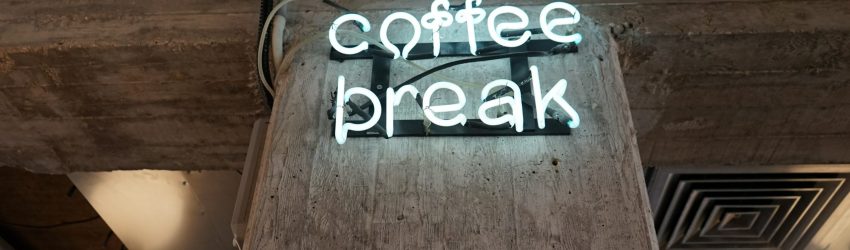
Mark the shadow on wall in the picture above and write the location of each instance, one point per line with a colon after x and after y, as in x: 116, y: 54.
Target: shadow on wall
x: 38, y: 209
x: 164, y: 209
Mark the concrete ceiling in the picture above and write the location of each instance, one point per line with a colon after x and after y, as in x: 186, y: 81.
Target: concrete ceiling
x: 110, y: 84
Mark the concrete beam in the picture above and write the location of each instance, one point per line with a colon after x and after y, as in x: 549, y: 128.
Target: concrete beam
x: 580, y: 191
x: 98, y: 64
x: 738, y: 82
x: 109, y: 85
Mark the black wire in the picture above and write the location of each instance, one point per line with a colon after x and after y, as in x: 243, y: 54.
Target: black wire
x: 343, y: 9
x: 337, y: 6
x: 71, y: 191
x: 560, y: 49
x: 469, y: 60
x: 498, y: 47
x: 514, y: 33
x: 505, y: 91
x: 265, y: 9
x: 365, y: 116
x: 108, y: 237
x: 460, y: 6
x: 51, y: 226
x: 455, y: 63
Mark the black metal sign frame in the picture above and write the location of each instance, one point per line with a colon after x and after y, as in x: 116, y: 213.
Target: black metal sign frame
x: 520, y: 74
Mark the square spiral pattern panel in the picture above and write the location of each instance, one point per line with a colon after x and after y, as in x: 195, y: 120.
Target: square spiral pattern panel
x: 742, y: 210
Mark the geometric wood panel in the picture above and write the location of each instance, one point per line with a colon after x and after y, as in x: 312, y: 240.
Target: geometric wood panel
x: 711, y: 208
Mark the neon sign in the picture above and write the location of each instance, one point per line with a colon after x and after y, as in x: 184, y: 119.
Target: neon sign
x: 383, y: 107
x: 471, y: 16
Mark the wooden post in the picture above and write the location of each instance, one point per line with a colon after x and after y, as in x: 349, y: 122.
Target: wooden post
x: 582, y: 191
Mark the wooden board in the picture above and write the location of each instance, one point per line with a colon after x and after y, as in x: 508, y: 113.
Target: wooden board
x: 583, y: 191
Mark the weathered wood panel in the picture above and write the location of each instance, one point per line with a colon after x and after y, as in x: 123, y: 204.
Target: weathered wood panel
x: 583, y: 191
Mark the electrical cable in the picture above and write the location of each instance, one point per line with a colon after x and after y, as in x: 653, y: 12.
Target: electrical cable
x: 51, y: 226
x: 236, y: 243
x: 560, y: 49
x: 465, y: 61
x: 556, y: 50
x: 261, y: 67
x: 290, y: 56
x: 278, y: 30
x: 461, y: 6
x: 268, y: 98
x: 380, y: 45
x: 283, y: 65
x: 262, y: 50
x: 514, y: 33
x: 337, y: 6
x: 265, y: 5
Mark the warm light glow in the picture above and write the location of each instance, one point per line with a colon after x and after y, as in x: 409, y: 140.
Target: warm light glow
x: 417, y: 33
x: 342, y: 128
x: 548, y: 26
x: 437, y: 19
x: 471, y: 16
x: 339, y: 114
x: 146, y: 209
x: 515, y: 119
x: 394, y: 99
x: 496, y: 30
x: 431, y: 110
x: 341, y: 20
x: 555, y: 94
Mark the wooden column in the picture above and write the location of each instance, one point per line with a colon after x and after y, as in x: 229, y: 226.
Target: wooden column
x: 582, y: 191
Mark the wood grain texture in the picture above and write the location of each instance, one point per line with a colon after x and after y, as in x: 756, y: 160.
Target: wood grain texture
x: 583, y: 191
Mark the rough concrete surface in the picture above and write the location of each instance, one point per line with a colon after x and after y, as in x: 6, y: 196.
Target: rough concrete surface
x: 106, y: 85
x: 761, y: 82
x: 583, y: 191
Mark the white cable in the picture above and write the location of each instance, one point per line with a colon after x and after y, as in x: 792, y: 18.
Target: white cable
x: 278, y: 32
x: 287, y: 60
x: 263, y: 34
x: 283, y: 65
x: 236, y: 243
